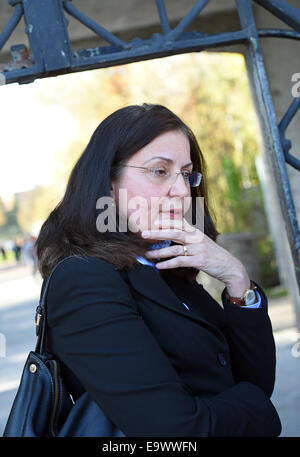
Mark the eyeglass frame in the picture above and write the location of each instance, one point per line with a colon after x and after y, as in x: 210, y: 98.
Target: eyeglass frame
x: 176, y: 173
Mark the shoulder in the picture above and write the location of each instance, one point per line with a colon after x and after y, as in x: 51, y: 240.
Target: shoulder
x: 84, y: 291
x: 82, y: 262
x: 82, y: 266
x: 86, y: 275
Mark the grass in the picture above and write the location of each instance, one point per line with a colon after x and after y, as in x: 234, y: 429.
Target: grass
x: 10, y: 256
x: 276, y: 292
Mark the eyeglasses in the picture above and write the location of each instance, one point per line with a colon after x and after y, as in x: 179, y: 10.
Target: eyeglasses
x: 161, y: 174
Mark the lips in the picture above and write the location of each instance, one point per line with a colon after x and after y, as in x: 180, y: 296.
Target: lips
x: 174, y: 214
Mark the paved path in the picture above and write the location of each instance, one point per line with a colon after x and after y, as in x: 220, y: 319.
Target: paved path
x: 19, y: 296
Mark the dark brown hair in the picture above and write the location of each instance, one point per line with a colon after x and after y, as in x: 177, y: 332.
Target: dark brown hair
x: 71, y: 226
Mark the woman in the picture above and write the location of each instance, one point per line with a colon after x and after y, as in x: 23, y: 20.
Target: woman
x: 126, y: 317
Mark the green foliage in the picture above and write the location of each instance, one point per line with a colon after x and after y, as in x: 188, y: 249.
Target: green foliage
x: 10, y: 228
x: 233, y: 194
x: 276, y: 292
x: 10, y: 257
x: 268, y: 265
x: 2, y: 214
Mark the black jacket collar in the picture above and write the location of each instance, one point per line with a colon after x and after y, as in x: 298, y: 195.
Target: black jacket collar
x: 150, y: 284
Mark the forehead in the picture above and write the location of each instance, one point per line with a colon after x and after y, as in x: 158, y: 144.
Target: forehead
x: 172, y: 145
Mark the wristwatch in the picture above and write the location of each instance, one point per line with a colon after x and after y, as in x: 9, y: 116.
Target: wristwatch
x: 249, y: 297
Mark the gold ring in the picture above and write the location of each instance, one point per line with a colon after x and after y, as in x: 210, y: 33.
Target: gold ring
x: 185, y: 250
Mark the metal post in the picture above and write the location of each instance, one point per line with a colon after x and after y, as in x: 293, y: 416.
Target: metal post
x: 274, y: 152
x: 284, y: 11
x: 47, y: 32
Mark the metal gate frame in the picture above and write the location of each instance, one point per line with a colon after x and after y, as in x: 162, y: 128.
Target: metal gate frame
x: 52, y: 55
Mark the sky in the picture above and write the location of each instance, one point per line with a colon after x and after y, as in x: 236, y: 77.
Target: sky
x: 30, y: 135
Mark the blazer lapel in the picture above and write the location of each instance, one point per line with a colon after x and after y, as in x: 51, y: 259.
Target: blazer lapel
x: 148, y: 282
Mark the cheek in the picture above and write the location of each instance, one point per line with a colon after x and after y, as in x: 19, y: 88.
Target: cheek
x: 125, y: 191
x: 129, y: 199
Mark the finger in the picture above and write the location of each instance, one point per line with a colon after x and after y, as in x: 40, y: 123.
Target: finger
x: 173, y: 263
x: 179, y: 224
x: 165, y: 252
x: 168, y: 223
x: 173, y: 235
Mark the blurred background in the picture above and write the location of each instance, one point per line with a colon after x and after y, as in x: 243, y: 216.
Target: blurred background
x: 45, y: 127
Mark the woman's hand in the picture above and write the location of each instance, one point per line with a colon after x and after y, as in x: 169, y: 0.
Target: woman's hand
x: 202, y: 253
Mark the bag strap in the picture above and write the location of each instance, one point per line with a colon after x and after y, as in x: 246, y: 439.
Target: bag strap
x: 40, y: 316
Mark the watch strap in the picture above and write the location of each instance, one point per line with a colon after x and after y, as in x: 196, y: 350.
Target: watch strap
x: 240, y: 301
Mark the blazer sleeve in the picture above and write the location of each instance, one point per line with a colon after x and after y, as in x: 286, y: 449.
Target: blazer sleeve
x: 252, y: 347
x: 97, y: 331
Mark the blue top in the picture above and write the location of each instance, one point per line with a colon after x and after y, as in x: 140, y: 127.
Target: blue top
x: 165, y: 244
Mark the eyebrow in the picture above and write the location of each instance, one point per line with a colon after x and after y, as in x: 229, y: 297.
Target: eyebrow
x: 167, y: 160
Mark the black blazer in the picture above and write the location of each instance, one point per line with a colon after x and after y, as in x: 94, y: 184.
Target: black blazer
x: 154, y: 367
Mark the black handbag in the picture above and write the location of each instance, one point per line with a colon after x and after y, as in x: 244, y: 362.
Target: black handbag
x: 42, y: 406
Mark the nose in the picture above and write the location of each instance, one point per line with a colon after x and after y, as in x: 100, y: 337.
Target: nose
x: 179, y: 187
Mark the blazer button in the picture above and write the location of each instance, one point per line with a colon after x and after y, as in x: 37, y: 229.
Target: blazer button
x: 222, y: 360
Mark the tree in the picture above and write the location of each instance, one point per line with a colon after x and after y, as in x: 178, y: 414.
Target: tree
x: 2, y: 213
x: 36, y: 206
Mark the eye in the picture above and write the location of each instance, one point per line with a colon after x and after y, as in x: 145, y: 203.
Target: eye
x: 159, y: 172
x: 186, y: 174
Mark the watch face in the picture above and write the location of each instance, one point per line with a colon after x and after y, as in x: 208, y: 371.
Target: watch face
x: 250, y: 297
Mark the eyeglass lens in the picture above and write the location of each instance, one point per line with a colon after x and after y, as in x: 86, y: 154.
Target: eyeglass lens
x: 195, y: 179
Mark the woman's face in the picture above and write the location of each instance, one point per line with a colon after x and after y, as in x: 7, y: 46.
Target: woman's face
x: 143, y: 197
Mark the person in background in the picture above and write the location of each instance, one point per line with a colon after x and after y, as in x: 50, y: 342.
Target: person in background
x: 29, y: 253
x: 3, y: 252
x: 17, y: 249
